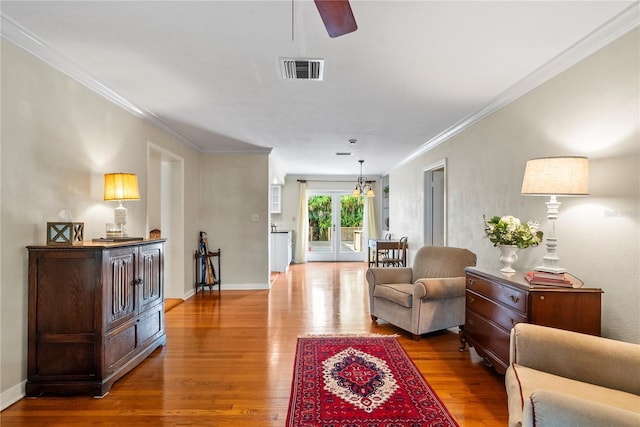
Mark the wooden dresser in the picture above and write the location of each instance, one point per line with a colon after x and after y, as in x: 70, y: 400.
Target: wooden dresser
x: 95, y: 312
x: 495, y: 302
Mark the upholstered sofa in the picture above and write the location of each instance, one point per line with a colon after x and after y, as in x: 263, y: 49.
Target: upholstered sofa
x: 426, y: 297
x: 563, y: 378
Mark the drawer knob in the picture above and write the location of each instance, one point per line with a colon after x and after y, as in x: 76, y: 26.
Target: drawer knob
x: 470, y: 322
x: 472, y: 300
x: 541, y: 297
x: 515, y: 298
x: 471, y: 282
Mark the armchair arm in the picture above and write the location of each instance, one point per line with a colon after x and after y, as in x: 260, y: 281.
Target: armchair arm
x: 438, y: 288
x: 577, y: 356
x: 547, y: 408
x: 380, y: 275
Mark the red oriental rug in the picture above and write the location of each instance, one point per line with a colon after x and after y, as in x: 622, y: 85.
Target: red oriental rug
x: 360, y: 382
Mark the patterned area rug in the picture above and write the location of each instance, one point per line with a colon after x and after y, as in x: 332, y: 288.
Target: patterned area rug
x: 360, y: 382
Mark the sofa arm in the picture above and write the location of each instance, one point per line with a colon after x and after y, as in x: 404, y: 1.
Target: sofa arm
x: 439, y: 288
x: 600, y: 361
x: 547, y: 408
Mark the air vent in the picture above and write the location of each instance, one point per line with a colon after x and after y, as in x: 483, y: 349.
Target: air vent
x: 302, y: 69
x: 344, y: 153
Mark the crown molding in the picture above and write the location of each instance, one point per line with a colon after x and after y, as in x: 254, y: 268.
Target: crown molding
x: 257, y: 150
x: 16, y: 34
x: 619, y: 25
x: 616, y: 27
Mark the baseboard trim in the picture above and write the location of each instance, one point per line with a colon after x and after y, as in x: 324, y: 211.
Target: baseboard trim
x: 230, y: 287
x: 12, y: 395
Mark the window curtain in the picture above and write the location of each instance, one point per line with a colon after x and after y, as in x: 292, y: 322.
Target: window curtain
x: 371, y: 218
x: 303, y: 226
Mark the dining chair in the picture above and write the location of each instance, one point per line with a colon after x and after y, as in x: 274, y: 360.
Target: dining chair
x: 381, y: 252
x: 396, y: 257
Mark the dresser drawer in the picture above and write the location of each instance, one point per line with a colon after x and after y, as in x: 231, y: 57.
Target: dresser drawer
x: 489, y: 337
x: 509, y: 296
x: 498, y: 313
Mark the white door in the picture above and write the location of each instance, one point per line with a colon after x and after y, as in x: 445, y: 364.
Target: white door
x: 434, y: 206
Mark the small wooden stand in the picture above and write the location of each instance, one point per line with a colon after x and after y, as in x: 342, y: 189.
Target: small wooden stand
x: 209, y: 280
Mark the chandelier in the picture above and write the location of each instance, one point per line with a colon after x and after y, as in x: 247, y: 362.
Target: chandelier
x: 363, y: 186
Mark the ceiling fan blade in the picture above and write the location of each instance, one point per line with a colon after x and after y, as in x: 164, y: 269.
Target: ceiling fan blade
x: 337, y: 16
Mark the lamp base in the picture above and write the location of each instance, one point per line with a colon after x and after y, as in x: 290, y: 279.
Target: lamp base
x: 551, y: 262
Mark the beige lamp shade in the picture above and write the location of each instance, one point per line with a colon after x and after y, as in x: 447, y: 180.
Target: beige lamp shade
x: 121, y: 186
x: 560, y: 176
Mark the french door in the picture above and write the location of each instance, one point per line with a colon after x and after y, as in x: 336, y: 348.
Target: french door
x: 336, y: 227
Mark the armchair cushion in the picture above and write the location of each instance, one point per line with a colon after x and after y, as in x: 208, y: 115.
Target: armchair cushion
x: 439, y: 261
x: 404, y: 293
x: 399, y: 293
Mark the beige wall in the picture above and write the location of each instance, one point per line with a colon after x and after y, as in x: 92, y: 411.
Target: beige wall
x: 235, y: 188
x: 58, y: 139
x: 590, y: 110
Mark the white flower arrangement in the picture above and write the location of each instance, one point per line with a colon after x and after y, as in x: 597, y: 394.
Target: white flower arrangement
x: 508, y: 230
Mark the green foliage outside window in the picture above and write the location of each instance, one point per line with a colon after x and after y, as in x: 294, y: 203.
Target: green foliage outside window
x: 320, y: 207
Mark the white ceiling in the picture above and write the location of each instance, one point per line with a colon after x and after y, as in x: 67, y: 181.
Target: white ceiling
x: 208, y: 71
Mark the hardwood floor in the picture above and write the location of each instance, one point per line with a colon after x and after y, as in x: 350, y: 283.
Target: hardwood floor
x: 229, y: 359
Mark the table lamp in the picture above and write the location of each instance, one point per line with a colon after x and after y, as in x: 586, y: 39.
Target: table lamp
x: 121, y: 187
x: 555, y: 176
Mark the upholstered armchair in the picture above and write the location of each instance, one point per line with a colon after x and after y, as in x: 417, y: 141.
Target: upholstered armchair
x: 426, y: 297
x: 564, y: 378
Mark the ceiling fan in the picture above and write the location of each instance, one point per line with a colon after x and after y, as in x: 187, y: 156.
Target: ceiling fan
x: 337, y: 17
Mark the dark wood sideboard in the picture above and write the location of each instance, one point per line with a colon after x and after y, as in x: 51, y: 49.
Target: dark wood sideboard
x: 95, y: 312
x: 495, y: 302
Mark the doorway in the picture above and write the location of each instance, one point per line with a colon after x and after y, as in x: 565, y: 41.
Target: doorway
x: 336, y: 227
x: 165, y: 211
x: 435, y: 205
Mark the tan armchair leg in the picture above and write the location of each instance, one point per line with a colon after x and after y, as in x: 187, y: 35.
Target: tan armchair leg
x: 374, y: 318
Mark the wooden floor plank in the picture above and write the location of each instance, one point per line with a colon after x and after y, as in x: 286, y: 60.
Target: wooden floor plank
x: 229, y: 359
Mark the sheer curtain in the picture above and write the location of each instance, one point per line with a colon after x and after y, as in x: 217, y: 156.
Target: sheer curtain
x: 371, y: 218
x: 302, y: 236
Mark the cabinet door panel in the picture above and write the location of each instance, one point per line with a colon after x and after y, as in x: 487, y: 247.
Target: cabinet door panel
x: 120, y: 286
x: 118, y: 345
x: 68, y: 283
x: 150, y: 325
x: 150, y: 272
x: 573, y: 311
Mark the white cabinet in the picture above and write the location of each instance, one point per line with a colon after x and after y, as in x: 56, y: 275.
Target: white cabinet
x: 276, y: 199
x: 281, y: 250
